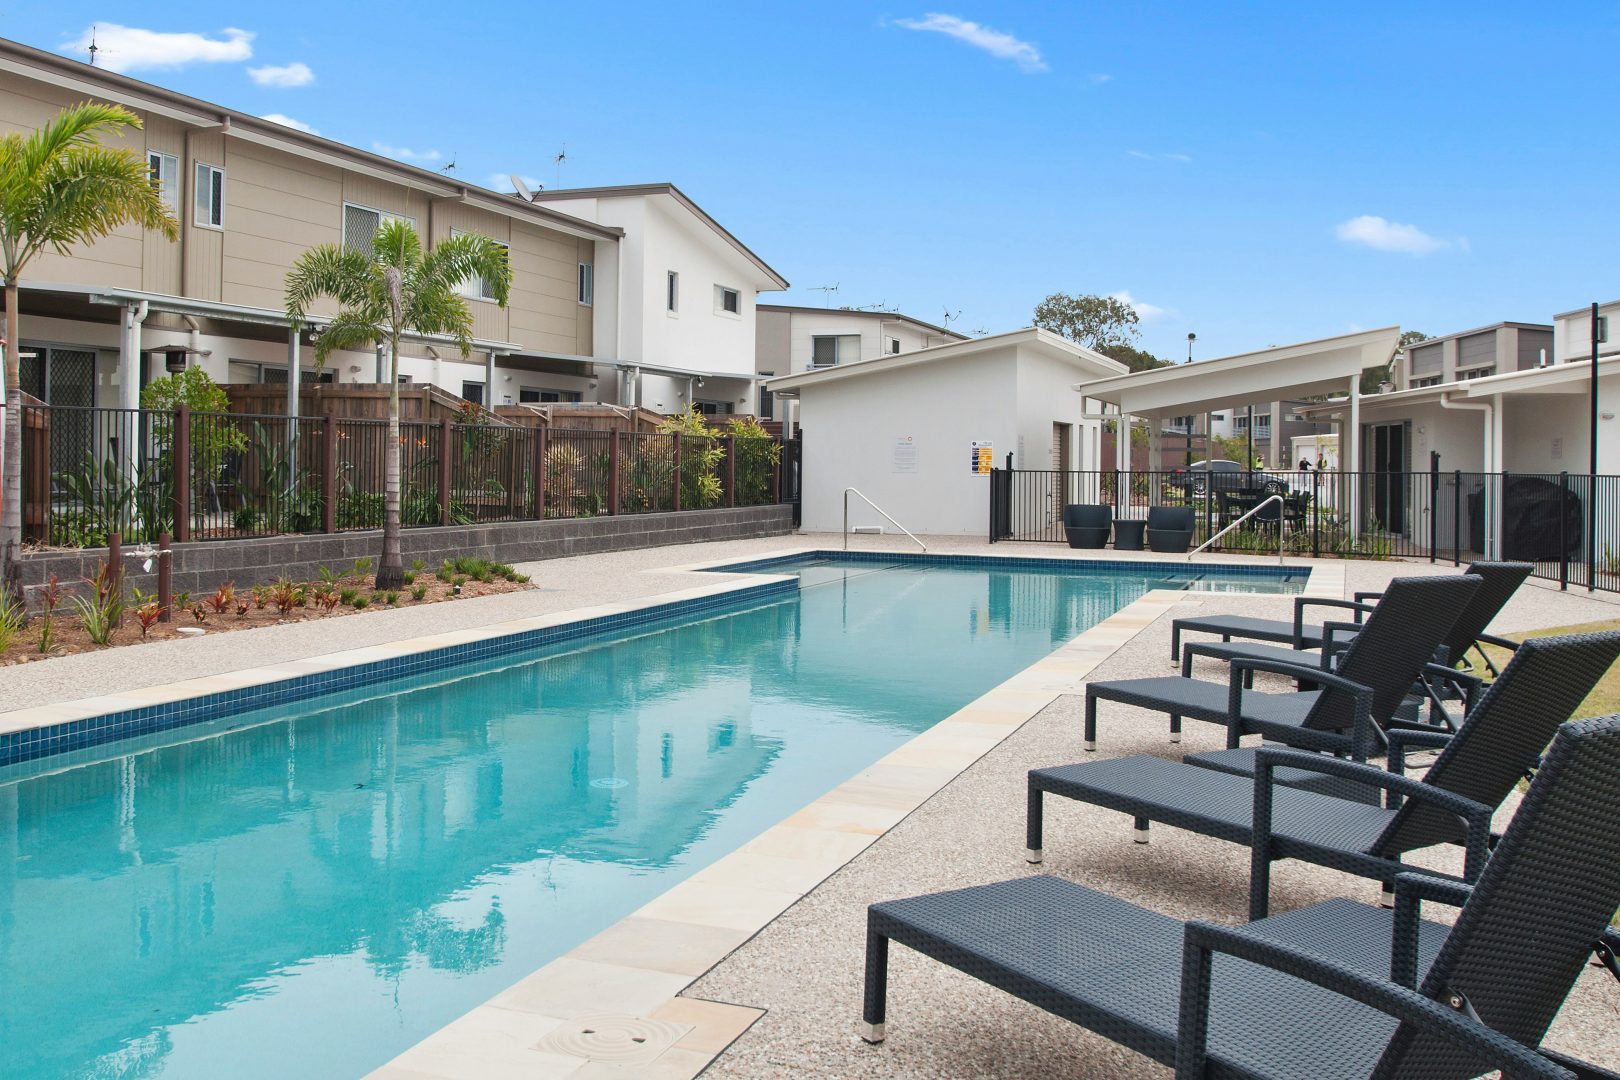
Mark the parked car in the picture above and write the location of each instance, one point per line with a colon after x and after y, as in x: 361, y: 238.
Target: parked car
x: 1226, y: 476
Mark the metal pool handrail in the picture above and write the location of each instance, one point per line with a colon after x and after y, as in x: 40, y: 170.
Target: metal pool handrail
x: 1247, y: 514
x: 880, y: 510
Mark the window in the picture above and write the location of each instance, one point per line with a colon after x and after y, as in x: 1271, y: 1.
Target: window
x: 830, y: 350
x: 360, y: 224
x: 210, y: 196
x: 894, y: 346
x: 727, y: 301
x: 473, y: 392
x: 767, y: 403
x: 587, y: 284
x: 534, y: 395
x: 714, y: 408
x: 672, y: 292
x: 479, y: 288
x: 165, y: 170
x: 1432, y: 380
x: 1475, y: 373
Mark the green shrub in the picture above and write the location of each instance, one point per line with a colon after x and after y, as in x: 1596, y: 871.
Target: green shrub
x: 12, y: 618
x: 360, y: 602
x: 418, y: 591
x: 417, y: 565
x: 410, y: 577
x: 459, y: 580
x: 348, y: 596
x: 392, y: 598
x: 362, y: 567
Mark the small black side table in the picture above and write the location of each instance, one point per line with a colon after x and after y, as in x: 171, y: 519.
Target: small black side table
x: 1128, y: 533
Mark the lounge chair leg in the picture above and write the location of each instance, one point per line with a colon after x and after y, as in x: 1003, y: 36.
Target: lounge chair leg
x: 1142, y: 834
x: 1032, y: 825
x: 1091, y: 721
x: 1175, y: 728
x: 1386, y: 895
x: 874, y: 1010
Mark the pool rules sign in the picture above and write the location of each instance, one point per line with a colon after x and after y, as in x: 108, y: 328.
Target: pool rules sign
x: 983, y: 456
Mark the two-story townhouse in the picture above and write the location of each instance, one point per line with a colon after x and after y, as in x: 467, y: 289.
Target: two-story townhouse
x: 683, y: 326
x: 791, y: 339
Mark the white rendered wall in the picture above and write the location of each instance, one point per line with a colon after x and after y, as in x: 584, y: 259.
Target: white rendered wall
x: 852, y: 425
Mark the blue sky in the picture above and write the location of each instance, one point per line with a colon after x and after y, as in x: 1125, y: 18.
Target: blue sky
x: 1255, y: 173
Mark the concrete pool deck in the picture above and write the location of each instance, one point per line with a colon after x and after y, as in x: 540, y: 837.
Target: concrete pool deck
x: 772, y: 933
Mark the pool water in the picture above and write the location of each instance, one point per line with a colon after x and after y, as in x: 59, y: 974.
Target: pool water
x: 308, y: 891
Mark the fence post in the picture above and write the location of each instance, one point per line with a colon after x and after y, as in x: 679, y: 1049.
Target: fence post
x: 1591, y: 534
x: 731, y: 470
x: 1563, y: 539
x: 444, y: 471
x: 329, y: 435
x: 1456, y: 518
x: 776, y: 474
x: 1316, y: 513
x: 182, y: 473
x: 1434, y: 501
x: 613, y: 473
x: 675, y: 443
x: 539, y: 473
x: 165, y: 578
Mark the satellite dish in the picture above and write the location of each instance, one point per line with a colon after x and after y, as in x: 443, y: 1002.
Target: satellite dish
x: 521, y: 188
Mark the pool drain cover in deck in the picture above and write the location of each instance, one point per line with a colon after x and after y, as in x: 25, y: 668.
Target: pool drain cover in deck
x: 622, y: 1040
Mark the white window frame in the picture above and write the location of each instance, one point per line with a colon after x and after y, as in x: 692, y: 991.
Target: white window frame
x: 477, y: 288
x: 894, y: 346
x: 383, y: 217
x: 672, y: 292
x: 205, y: 174
x: 587, y: 284
x: 158, y: 163
x: 720, y: 308
x: 838, y: 353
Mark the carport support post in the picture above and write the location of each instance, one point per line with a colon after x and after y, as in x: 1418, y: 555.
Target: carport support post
x: 1277, y: 461
x: 1354, y: 471
x: 1122, y: 464
x: 294, y: 385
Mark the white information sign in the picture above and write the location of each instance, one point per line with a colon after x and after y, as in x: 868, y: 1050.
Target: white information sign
x: 905, y: 453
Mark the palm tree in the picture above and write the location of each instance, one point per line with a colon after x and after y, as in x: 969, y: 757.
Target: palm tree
x: 382, y: 294
x: 60, y: 187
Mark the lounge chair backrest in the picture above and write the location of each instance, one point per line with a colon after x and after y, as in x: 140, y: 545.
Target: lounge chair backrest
x: 1499, y: 581
x: 1505, y: 732
x: 1541, y: 903
x: 1400, y: 635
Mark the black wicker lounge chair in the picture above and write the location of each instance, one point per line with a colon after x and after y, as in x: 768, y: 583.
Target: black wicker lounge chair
x: 1359, y: 696
x: 1087, y: 525
x: 1501, y: 740
x: 1335, y: 989
x: 1499, y: 581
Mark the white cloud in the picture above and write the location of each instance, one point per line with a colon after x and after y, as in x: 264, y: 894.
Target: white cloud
x: 286, y: 121
x: 997, y: 44
x: 500, y: 181
x: 1180, y: 159
x: 129, y: 48
x: 405, y: 153
x: 287, y: 75
x: 1380, y: 234
x: 1099, y: 78
x: 1144, y: 310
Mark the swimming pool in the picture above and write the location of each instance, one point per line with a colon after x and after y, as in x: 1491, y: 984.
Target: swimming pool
x: 310, y: 888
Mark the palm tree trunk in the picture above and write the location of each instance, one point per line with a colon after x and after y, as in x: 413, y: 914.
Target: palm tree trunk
x: 391, y: 568
x: 11, y: 493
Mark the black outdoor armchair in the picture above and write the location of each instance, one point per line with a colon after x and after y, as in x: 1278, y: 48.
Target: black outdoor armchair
x: 1087, y: 525
x: 1169, y: 528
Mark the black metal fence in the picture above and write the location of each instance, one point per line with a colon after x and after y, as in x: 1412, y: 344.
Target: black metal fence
x: 213, y: 476
x: 1568, y: 524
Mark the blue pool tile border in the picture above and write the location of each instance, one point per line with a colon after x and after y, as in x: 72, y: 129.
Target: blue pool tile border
x: 1179, y: 571
x: 34, y: 743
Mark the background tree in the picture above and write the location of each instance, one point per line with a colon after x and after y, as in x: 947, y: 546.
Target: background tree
x: 382, y: 294
x: 1104, y: 324
x: 1373, y: 378
x: 59, y: 187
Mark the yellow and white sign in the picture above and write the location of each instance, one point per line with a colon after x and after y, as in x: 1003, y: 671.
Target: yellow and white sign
x: 983, y: 457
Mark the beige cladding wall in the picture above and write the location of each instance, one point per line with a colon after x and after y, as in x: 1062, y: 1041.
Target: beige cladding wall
x: 277, y: 205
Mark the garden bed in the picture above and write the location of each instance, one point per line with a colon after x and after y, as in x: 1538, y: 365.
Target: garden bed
x: 333, y: 594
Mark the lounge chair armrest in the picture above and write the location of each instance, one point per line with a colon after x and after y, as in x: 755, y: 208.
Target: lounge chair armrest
x: 1481, y: 1044
x: 1476, y: 816
x: 1363, y: 733
x: 1303, y: 602
x: 1462, y: 680
x: 1583, y: 1070
x: 1333, y: 634
x: 1499, y: 642
x: 1410, y: 892
x: 1365, y: 595
x: 1403, y: 739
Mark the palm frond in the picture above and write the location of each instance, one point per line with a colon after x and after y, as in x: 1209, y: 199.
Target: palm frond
x: 441, y: 311
x: 468, y: 256
x: 330, y: 270
x: 396, y: 244
x: 345, y: 332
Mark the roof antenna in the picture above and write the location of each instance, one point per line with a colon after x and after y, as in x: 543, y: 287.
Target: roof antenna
x: 449, y: 166
x: 949, y: 317
x: 94, y: 48
x: 560, y: 160
x: 826, y: 292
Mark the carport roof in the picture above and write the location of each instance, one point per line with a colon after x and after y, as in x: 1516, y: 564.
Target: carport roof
x: 1306, y: 369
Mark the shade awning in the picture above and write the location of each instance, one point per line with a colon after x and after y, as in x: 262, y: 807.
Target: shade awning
x: 1307, y: 369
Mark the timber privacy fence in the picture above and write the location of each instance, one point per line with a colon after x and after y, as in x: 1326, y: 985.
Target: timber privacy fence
x: 1567, y: 524
x: 89, y: 472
